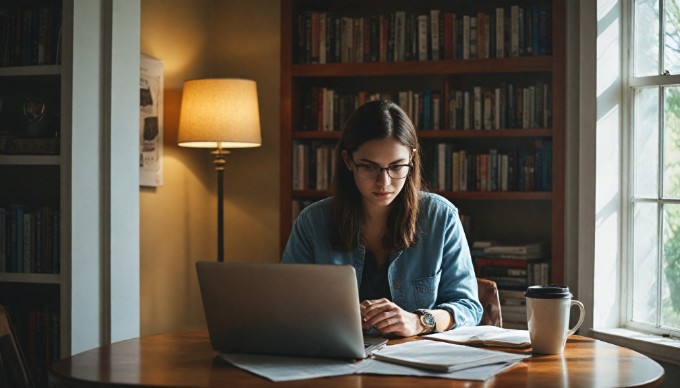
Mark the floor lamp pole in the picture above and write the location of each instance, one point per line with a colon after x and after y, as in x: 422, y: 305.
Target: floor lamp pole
x: 219, y: 167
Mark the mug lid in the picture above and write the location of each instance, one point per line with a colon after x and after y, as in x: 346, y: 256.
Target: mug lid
x: 549, y: 291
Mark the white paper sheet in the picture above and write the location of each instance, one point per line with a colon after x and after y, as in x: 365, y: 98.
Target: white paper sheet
x: 441, y: 356
x: 480, y: 373
x: 281, y: 368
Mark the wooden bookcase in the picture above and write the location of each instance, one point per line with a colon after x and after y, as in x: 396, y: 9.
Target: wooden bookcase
x: 93, y: 236
x: 512, y: 216
x: 33, y: 192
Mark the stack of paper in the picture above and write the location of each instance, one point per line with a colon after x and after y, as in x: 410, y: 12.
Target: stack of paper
x: 485, y: 336
x: 279, y: 368
x: 443, y: 357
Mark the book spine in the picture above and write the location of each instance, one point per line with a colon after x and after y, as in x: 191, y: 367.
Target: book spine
x: 449, y: 37
x: 466, y: 37
x: 500, y: 32
x: 434, y: 34
x: 514, y: 31
x: 399, y: 36
x: 422, y: 37
x: 3, y: 238
x: 477, y: 95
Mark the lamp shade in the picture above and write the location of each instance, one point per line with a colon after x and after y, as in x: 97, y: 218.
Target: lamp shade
x: 219, y: 113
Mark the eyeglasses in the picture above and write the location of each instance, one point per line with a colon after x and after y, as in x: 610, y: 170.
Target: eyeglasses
x: 372, y: 170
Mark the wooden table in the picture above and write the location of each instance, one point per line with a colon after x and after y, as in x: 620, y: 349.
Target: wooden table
x: 186, y: 359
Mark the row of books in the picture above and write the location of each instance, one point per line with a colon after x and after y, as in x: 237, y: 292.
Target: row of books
x: 446, y: 168
x: 13, y: 145
x: 29, y: 239
x: 500, y: 107
x: 313, y: 165
x: 513, y: 274
x: 323, y: 37
x: 496, y: 107
x: 513, y: 267
x: 459, y: 170
x: 31, y: 35
x: 37, y: 329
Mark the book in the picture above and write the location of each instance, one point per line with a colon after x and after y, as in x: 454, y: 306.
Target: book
x: 484, y: 336
x: 11, y: 145
x: 3, y: 238
x: 435, y: 15
x: 484, y: 243
x: 441, y: 356
x: 516, y: 249
x: 422, y: 37
x: 514, y: 313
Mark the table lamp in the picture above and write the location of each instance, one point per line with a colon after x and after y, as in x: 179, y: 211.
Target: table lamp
x: 219, y: 113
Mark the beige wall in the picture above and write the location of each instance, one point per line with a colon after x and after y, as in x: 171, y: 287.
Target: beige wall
x: 200, y: 39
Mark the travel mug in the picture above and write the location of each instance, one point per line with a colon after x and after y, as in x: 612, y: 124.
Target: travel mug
x: 548, y: 309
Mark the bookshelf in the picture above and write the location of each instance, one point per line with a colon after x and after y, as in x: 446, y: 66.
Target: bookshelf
x: 88, y: 293
x: 33, y: 287
x: 505, y: 210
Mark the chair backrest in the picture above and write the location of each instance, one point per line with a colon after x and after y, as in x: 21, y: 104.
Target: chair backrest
x: 13, y: 370
x: 488, y: 297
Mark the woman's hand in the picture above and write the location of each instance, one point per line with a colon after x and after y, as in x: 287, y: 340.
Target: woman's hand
x: 388, y: 318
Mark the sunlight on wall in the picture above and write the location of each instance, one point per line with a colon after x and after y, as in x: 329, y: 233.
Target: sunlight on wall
x: 176, y: 32
x: 607, y: 219
x: 202, y: 39
x: 176, y: 219
x: 607, y: 249
x: 608, y: 57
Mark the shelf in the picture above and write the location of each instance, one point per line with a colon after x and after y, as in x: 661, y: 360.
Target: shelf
x: 514, y: 215
x: 411, y: 68
x: 444, y: 134
x: 34, y: 278
x: 15, y: 71
x: 34, y: 160
x: 467, y: 196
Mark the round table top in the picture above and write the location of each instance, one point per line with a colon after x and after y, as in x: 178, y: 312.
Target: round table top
x: 186, y: 359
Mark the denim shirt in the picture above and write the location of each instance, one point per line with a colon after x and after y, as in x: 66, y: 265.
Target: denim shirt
x: 435, y: 273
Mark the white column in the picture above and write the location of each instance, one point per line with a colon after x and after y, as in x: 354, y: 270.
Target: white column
x: 104, y: 192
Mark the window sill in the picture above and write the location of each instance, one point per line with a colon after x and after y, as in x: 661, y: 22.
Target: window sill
x: 654, y: 346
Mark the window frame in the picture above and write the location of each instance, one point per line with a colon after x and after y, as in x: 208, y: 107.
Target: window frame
x: 631, y: 84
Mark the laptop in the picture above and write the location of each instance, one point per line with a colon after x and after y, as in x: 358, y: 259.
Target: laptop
x: 304, y: 310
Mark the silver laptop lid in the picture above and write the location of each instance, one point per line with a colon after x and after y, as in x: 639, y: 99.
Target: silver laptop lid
x: 286, y: 309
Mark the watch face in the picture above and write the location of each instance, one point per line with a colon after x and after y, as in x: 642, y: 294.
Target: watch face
x: 428, y: 319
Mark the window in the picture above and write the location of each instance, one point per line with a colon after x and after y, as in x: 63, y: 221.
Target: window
x: 653, y: 251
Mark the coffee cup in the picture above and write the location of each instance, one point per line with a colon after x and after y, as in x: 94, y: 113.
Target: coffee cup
x: 548, y: 309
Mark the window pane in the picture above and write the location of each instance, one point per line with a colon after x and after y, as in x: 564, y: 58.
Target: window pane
x: 646, y: 37
x: 671, y: 165
x: 645, y: 263
x: 670, y: 292
x: 672, y: 37
x: 646, y: 143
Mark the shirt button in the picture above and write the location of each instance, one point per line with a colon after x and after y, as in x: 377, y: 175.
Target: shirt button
x: 397, y: 285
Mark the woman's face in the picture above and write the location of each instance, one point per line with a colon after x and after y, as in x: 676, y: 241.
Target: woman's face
x: 372, y: 158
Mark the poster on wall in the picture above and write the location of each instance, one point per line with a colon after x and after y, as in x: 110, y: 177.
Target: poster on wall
x: 150, y: 122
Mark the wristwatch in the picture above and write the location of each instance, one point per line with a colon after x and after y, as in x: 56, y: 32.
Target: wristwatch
x: 427, y: 319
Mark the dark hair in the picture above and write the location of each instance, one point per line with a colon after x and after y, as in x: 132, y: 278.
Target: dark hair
x: 374, y: 120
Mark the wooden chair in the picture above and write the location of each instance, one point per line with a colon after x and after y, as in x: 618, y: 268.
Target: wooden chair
x: 488, y: 297
x: 13, y: 370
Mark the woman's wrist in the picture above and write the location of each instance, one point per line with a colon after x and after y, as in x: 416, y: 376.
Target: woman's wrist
x: 427, y: 321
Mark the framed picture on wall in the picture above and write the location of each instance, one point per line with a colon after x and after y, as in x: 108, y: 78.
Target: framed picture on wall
x: 150, y: 122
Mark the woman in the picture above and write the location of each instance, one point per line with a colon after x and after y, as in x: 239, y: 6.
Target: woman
x: 408, y: 248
